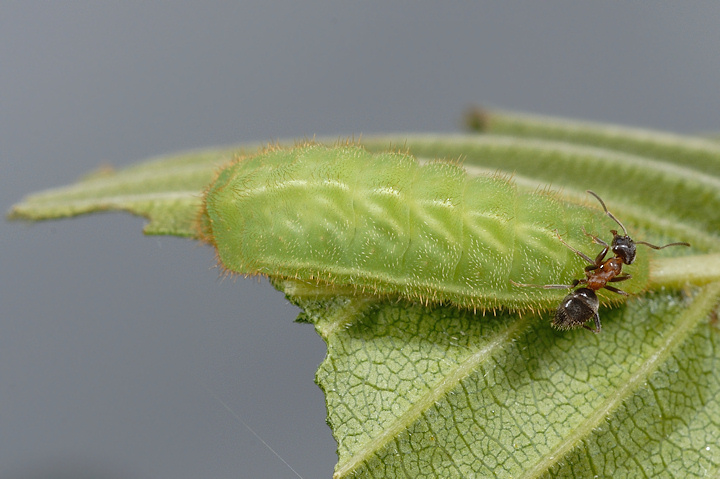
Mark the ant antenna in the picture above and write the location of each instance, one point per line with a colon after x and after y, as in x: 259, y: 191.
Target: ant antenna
x: 617, y: 220
x: 682, y: 243
x: 661, y: 247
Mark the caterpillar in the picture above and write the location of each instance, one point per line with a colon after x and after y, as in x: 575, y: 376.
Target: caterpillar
x: 383, y: 223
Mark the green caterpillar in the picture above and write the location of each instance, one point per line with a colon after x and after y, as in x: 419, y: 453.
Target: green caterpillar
x: 341, y: 216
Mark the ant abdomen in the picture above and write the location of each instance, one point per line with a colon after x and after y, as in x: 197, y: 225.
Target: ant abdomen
x: 577, y: 308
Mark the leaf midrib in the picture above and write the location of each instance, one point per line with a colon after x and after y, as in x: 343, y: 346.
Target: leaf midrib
x: 124, y: 199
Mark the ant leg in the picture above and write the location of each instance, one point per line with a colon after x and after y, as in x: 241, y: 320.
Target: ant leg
x: 606, y: 247
x: 615, y: 290
x: 579, y: 253
x: 596, y: 317
x: 548, y: 286
x: 596, y: 240
x: 620, y: 278
x: 600, y: 257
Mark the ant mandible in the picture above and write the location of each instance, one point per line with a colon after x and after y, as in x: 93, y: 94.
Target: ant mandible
x: 581, y: 305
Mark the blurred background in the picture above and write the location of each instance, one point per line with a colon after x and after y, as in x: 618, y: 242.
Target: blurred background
x: 116, y: 349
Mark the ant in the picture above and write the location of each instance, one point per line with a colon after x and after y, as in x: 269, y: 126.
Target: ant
x: 581, y: 305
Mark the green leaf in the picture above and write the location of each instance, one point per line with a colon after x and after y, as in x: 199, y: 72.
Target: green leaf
x: 166, y: 190
x: 437, y: 392
x: 417, y: 391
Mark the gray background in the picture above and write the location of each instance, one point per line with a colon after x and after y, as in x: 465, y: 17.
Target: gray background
x: 113, y: 345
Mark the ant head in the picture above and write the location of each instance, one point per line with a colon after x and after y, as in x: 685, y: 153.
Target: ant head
x: 623, y: 247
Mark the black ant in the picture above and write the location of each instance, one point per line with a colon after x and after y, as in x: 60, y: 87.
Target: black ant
x: 581, y: 305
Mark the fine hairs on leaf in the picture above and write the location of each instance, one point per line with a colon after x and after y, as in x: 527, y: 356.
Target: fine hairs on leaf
x: 402, y: 252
